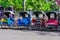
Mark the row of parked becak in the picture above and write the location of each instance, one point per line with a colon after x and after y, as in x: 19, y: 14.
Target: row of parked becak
x: 38, y: 20
x: 43, y: 21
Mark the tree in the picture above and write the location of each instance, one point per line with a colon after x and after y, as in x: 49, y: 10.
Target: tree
x: 34, y: 4
x: 17, y: 4
x: 40, y: 5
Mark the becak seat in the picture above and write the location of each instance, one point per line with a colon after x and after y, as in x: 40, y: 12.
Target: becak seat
x: 52, y: 20
x: 9, y: 17
x: 23, y: 19
x: 37, y: 20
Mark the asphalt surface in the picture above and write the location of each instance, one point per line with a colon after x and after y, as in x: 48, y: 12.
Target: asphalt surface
x: 8, y: 34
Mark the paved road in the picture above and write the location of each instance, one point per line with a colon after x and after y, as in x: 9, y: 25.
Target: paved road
x: 28, y: 35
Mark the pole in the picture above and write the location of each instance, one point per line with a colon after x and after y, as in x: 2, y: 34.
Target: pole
x: 22, y: 5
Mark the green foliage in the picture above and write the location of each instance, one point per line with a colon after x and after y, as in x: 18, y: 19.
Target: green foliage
x: 40, y: 5
x: 17, y: 4
x: 34, y: 4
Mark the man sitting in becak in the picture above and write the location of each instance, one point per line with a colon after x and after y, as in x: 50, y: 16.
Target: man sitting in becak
x: 52, y: 20
x: 22, y: 21
x: 4, y: 21
x: 10, y: 20
x: 28, y: 18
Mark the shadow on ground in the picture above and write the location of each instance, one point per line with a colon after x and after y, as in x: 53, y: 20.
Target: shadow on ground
x: 42, y: 33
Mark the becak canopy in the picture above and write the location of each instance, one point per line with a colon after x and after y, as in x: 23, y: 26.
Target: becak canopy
x: 38, y: 14
x: 8, y: 13
x: 51, y: 14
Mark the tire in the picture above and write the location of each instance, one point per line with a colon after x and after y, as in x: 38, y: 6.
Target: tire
x: 41, y: 28
x: 33, y: 27
x: 56, y: 28
x: 45, y: 29
x: 27, y: 27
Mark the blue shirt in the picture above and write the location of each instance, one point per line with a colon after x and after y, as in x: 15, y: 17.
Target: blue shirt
x: 9, y: 21
x: 24, y: 20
